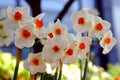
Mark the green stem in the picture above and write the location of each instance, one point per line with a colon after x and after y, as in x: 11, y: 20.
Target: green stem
x: 60, y: 73
x: 85, y: 70
x: 2, y: 18
x: 18, y: 58
x: 56, y: 74
x: 1, y: 36
x: 32, y: 77
x: 80, y: 62
x: 31, y: 49
x: 42, y: 76
x: 96, y: 41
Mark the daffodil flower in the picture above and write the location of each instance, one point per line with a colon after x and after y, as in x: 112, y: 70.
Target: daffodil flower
x: 83, y: 45
x: 35, y: 63
x: 6, y: 34
x: 99, y: 27
x: 57, y: 29
x: 81, y: 21
x: 54, y: 49
x: 18, y: 16
x: 39, y: 30
x: 24, y: 36
x: 108, y: 42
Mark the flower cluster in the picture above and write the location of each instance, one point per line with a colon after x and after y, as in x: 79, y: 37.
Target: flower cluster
x: 59, y: 46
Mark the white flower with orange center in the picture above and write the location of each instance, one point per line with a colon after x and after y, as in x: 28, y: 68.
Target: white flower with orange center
x: 39, y: 30
x: 19, y: 16
x: 70, y: 54
x: 100, y: 27
x: 6, y: 37
x: 53, y: 49
x: 108, y: 42
x: 57, y: 29
x: 35, y: 63
x: 5, y: 12
x: 50, y: 35
x: 81, y: 21
x: 83, y: 45
x: 6, y: 34
x: 24, y: 36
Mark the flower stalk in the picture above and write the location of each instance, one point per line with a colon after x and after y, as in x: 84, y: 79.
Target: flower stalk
x: 32, y: 77
x: 60, y: 73
x: 2, y: 18
x: 18, y: 58
x: 86, y: 67
x: 56, y: 74
x: 80, y: 65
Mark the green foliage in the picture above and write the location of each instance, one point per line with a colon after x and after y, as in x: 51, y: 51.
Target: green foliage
x: 114, y: 70
x: 7, y: 64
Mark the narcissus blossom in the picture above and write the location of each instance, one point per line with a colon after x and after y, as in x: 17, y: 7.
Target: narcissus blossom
x: 108, y: 42
x: 99, y: 27
x: 18, y: 16
x: 35, y: 63
x: 6, y: 37
x: 54, y: 49
x: 24, y: 36
x: 81, y: 21
x: 6, y: 34
x: 57, y: 29
x: 39, y: 30
x: 83, y: 45
x: 70, y: 53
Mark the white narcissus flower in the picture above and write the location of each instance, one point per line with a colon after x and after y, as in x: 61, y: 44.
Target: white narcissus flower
x: 18, y: 16
x: 81, y: 21
x: 6, y: 34
x: 24, y: 36
x: 57, y: 29
x: 6, y: 37
x: 107, y: 42
x: 35, y: 63
x: 70, y: 53
x: 55, y: 64
x: 53, y: 49
x: 83, y: 45
x: 99, y: 27
x: 39, y: 30
x: 5, y: 12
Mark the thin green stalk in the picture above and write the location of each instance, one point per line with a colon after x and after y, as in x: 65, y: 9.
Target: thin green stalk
x: 2, y: 18
x: 80, y: 62
x: 18, y: 58
x: 60, y: 73
x: 85, y: 70
x: 32, y: 77
x: 95, y: 40
x: 1, y: 36
x: 31, y: 49
x: 42, y: 76
x: 56, y: 74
